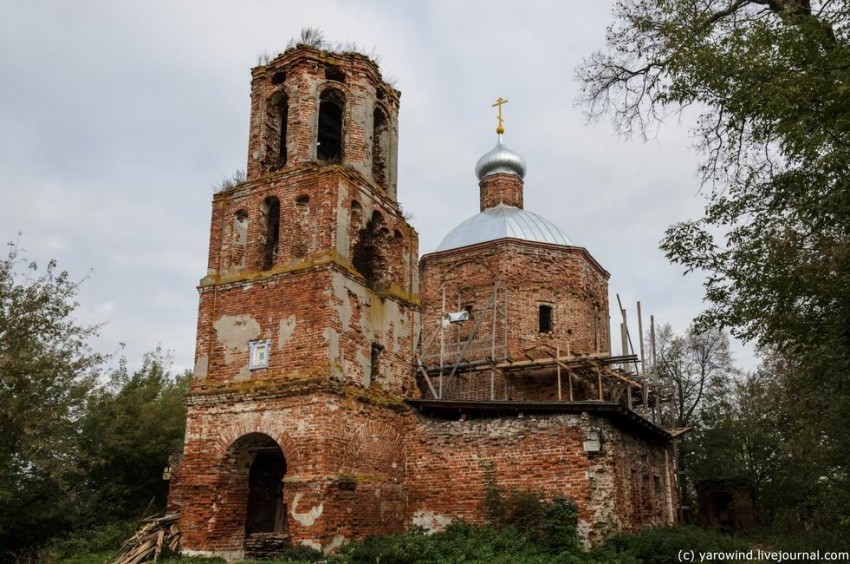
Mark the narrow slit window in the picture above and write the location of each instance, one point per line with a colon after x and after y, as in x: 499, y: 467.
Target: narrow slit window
x: 271, y: 209
x: 544, y: 317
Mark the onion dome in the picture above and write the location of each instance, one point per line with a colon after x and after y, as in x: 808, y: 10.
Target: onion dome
x: 500, y: 159
x: 500, y: 222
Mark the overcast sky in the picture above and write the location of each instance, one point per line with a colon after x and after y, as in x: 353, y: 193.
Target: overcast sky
x: 117, y: 117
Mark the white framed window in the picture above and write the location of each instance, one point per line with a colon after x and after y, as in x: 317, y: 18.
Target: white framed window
x: 259, y: 354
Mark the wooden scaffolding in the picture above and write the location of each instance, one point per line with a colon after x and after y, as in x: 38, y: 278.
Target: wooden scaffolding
x: 463, y: 350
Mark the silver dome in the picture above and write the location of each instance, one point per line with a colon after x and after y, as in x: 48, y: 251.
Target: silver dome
x: 500, y: 159
x: 500, y: 222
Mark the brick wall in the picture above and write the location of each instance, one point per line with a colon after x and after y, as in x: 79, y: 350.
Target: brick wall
x: 500, y: 188
x: 301, y: 76
x: 533, y: 274
x: 450, y: 462
x: 344, y: 467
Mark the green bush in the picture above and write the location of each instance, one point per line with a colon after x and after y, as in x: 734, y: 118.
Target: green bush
x: 560, y: 525
x: 300, y: 554
x: 459, y: 542
x: 661, y: 545
x: 95, y: 545
x: 553, y: 524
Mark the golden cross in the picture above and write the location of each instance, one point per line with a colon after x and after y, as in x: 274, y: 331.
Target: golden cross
x: 501, y: 128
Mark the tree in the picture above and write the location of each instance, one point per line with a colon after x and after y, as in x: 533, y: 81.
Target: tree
x: 772, y: 81
x: 46, y: 370
x: 694, y: 366
x: 774, y: 78
x: 739, y: 434
x: 132, y: 427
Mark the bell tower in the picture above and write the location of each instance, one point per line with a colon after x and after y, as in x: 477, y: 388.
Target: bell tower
x: 307, y: 320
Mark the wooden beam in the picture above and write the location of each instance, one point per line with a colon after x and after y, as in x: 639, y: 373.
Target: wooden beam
x: 558, y: 359
x: 428, y: 380
x: 599, y: 382
x: 640, y: 333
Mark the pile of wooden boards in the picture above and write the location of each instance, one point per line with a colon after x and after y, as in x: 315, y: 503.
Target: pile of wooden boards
x: 156, y: 537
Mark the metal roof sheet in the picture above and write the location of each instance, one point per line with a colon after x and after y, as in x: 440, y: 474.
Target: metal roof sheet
x: 500, y: 222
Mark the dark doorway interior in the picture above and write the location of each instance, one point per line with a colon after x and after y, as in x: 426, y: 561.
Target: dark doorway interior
x: 266, y: 512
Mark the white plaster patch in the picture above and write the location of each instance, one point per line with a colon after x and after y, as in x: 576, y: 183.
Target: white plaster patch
x: 301, y: 426
x: 334, y: 545
x: 244, y: 374
x: 332, y: 337
x: 229, y: 555
x: 314, y: 544
x: 430, y: 521
x: 365, y: 363
x: 342, y: 241
x: 201, y: 367
x: 233, y: 333
x: 343, y: 308
x: 287, y: 328
x: 309, y: 518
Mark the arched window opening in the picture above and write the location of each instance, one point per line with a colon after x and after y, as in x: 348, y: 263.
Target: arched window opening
x: 281, y: 112
x: 380, y: 147
x: 369, y: 256
x: 356, y: 213
x: 238, y: 239
x: 271, y: 210
x: 302, y: 204
x: 278, y: 78
x: 329, y: 138
x: 240, y: 227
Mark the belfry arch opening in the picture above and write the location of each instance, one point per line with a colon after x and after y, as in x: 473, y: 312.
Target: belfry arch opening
x: 280, y: 109
x: 370, y: 252
x: 380, y: 147
x: 329, y: 145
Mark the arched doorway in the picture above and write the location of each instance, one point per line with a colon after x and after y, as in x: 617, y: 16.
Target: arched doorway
x: 265, y: 511
x: 256, y: 479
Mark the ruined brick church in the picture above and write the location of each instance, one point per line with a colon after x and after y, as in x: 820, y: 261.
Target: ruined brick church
x: 345, y: 387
